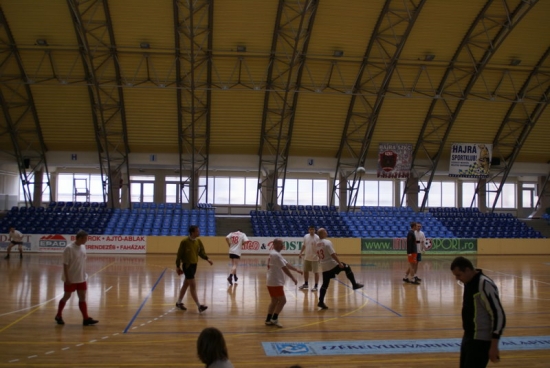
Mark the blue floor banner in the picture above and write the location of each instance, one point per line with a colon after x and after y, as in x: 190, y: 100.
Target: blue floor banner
x: 394, y: 346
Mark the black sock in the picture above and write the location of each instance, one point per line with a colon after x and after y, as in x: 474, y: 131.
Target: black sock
x: 275, y: 316
x: 268, y: 317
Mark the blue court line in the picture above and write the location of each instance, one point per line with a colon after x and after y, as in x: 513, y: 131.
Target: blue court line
x: 370, y: 347
x: 371, y: 299
x: 144, y: 301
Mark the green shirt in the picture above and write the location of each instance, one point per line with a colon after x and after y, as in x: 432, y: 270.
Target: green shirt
x: 190, y: 251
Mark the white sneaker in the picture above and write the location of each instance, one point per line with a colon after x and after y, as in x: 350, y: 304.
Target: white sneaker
x: 268, y: 323
x: 314, y: 288
x: 275, y: 322
x: 304, y: 286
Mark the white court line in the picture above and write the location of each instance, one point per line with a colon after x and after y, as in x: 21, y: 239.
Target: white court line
x: 109, y: 289
x: 32, y: 306
x: 519, y: 277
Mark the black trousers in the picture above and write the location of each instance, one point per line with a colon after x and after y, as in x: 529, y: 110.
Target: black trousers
x: 474, y: 353
x: 330, y: 274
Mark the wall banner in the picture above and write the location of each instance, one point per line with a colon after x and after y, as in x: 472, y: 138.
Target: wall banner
x: 439, y: 246
x: 55, y: 243
x: 394, y: 160
x: 470, y: 160
x: 261, y: 245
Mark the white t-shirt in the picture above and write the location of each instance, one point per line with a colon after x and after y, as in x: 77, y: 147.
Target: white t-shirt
x: 16, y: 236
x: 309, y: 244
x: 75, y: 257
x: 420, y: 239
x: 236, y: 240
x: 275, y: 273
x: 325, y: 252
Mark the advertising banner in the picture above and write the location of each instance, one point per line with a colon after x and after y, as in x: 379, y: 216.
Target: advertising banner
x: 394, y: 160
x: 439, y: 246
x: 260, y: 245
x: 51, y: 243
x: 470, y: 160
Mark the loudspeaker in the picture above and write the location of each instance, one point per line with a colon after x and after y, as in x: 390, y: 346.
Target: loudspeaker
x: 27, y: 163
x: 495, y: 161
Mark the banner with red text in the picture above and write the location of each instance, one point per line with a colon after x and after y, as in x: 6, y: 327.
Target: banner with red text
x: 260, y: 245
x: 394, y: 160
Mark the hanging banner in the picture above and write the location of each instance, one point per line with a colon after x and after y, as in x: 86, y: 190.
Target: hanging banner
x: 470, y: 160
x: 394, y: 160
x: 263, y: 245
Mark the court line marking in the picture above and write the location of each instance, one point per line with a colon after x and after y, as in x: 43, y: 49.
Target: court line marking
x: 371, y: 299
x: 519, y: 277
x: 144, y: 301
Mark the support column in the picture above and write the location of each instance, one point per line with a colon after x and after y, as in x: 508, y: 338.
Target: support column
x: 482, y: 195
x: 160, y: 188
x: 343, y: 193
x: 114, y: 188
x: 37, y: 195
x: 412, y: 193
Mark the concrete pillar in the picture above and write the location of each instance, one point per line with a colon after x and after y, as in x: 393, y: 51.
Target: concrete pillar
x: 343, y: 193
x: 482, y: 196
x: 412, y: 193
x: 37, y: 195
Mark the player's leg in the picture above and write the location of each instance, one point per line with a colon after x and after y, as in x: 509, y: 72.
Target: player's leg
x: 351, y: 277
x: 61, y: 305
x: 8, y: 250
x: 327, y: 275
x: 20, y: 250
x: 306, y: 268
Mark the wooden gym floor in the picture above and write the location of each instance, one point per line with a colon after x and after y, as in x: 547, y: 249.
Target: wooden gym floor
x: 133, y: 297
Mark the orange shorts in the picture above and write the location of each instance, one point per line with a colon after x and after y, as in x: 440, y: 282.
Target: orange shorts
x: 412, y: 258
x: 276, y: 291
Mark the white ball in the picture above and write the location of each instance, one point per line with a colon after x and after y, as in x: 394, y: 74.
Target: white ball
x: 361, y: 170
x: 428, y: 244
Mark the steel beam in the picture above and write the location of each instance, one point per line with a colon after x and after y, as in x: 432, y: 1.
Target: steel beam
x: 289, y: 46
x: 95, y: 36
x: 20, y: 118
x: 392, y: 30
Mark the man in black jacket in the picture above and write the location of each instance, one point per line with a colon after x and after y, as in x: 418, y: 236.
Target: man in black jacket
x: 410, y: 275
x: 483, y: 317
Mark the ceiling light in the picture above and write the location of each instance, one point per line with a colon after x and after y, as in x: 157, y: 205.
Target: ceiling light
x: 41, y: 42
x: 515, y: 62
x: 338, y: 53
x: 429, y: 57
x: 241, y: 48
x: 145, y: 45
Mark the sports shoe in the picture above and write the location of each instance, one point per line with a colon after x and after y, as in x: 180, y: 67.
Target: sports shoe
x: 89, y: 321
x: 322, y: 305
x: 268, y: 323
x: 304, y: 286
x: 202, y: 308
x: 314, y: 288
x: 275, y: 322
x: 59, y: 320
x: 357, y: 286
x: 181, y: 306
x: 229, y: 280
x: 415, y: 281
x: 406, y: 279
x: 417, y: 278
x: 235, y: 278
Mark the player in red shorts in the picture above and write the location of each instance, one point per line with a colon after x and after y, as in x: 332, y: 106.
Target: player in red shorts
x: 74, y: 278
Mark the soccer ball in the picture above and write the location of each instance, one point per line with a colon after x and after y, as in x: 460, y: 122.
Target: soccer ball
x: 428, y: 244
x: 361, y: 170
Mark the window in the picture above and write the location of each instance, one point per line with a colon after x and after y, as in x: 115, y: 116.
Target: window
x: 174, y: 192
x: 507, y: 198
x: 66, y: 187
x: 468, y: 192
x: 45, y: 188
x: 375, y: 193
x: 142, y: 188
x: 306, y: 192
x: 442, y: 194
x: 230, y: 191
x: 529, y: 196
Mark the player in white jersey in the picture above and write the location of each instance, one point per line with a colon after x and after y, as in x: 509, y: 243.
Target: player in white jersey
x: 331, y: 266
x: 420, y: 241
x: 235, y: 241
x: 16, y: 238
x: 311, y: 260
x: 277, y: 267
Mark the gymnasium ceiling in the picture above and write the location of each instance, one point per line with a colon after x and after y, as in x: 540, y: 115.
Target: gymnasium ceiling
x: 324, y: 78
